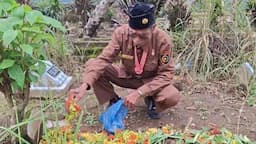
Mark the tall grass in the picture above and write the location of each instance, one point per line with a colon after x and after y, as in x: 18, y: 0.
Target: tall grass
x: 54, y: 134
x: 217, y: 41
x: 11, y: 131
x: 51, y: 8
x: 252, y: 97
x: 60, y: 52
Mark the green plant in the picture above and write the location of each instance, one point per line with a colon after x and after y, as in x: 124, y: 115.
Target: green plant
x: 109, y: 15
x: 23, y: 35
x: 90, y: 119
x: 59, y: 52
x: 51, y: 8
x: 124, y: 4
x: 241, y: 18
x: 214, y: 51
x: 90, y: 52
x: 11, y: 130
x: 163, y: 135
x: 178, y: 15
x: 251, y: 10
x: 252, y: 97
x: 251, y: 5
x: 216, y: 12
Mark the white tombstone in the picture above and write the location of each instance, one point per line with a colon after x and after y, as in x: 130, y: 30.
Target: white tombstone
x: 53, y: 82
x: 245, y: 73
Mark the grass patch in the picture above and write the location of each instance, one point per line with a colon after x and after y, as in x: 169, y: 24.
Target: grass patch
x: 217, y: 41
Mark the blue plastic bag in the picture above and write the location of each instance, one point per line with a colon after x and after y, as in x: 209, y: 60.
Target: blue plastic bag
x: 112, y: 118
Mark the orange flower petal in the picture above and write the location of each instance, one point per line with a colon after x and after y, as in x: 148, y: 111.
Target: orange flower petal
x: 111, y: 137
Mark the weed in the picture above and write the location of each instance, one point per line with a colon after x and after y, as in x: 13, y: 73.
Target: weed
x: 215, y: 50
x: 252, y: 97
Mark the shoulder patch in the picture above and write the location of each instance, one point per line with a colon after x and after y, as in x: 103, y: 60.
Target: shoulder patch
x: 165, y: 58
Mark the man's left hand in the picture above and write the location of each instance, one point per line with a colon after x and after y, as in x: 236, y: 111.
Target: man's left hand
x: 131, y: 99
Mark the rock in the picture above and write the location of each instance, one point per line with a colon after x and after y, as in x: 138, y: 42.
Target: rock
x: 191, y: 108
x: 35, y: 128
x: 222, y: 114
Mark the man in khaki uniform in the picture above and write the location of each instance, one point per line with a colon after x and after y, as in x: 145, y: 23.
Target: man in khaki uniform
x: 146, y: 65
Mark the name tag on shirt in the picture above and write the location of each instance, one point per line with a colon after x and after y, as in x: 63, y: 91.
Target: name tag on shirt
x: 128, y: 57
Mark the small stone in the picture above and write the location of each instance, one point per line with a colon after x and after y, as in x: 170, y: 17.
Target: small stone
x: 191, y: 108
x: 217, y: 110
x: 222, y: 114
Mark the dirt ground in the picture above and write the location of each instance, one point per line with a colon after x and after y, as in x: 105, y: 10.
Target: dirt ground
x: 202, y: 105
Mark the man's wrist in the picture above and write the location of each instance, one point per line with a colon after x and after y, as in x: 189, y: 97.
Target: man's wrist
x: 85, y: 86
x: 140, y: 93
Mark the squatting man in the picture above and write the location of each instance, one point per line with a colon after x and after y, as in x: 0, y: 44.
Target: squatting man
x: 146, y: 65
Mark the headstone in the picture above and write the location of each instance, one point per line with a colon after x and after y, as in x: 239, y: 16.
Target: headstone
x: 35, y: 127
x: 245, y: 73
x: 52, y: 82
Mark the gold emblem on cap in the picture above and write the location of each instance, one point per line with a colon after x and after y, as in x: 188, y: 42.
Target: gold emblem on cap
x: 144, y: 20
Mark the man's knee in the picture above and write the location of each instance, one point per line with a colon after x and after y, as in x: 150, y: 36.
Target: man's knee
x: 173, y: 98
x: 168, y: 97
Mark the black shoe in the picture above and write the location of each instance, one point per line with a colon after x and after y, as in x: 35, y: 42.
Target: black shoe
x: 151, y: 108
x: 113, y: 100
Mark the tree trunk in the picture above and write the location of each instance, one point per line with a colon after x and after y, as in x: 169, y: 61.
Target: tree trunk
x: 17, y: 103
x: 82, y: 8
x: 97, y: 17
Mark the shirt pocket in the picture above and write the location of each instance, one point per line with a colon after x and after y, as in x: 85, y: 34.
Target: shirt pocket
x: 127, y: 61
x: 127, y: 58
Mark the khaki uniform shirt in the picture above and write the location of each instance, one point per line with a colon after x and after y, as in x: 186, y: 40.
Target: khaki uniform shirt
x: 158, y: 69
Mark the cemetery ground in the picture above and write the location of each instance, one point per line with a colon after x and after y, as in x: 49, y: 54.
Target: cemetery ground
x: 204, y: 104
x: 215, y: 103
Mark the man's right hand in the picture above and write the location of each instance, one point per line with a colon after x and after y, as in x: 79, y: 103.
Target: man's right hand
x: 78, y: 93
